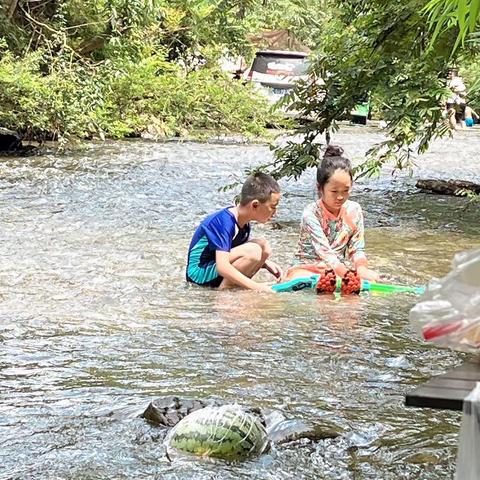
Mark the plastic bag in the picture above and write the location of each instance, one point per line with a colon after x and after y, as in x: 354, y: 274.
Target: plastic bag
x: 448, y: 313
x: 468, y: 460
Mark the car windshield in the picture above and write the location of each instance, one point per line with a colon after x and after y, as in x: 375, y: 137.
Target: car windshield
x: 280, y: 65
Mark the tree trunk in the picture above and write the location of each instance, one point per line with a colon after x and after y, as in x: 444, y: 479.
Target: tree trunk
x: 11, y: 7
x: 447, y: 187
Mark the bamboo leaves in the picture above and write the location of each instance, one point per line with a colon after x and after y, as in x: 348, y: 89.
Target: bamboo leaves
x: 445, y: 15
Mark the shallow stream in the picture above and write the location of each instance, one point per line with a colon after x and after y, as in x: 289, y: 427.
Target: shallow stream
x: 96, y: 319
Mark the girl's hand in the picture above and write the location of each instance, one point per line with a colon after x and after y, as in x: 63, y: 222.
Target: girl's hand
x: 274, y: 269
x: 367, y: 274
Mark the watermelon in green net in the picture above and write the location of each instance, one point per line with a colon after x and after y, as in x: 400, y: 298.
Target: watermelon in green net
x: 227, y: 432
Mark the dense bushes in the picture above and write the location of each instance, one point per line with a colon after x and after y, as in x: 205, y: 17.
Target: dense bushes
x: 83, y: 99
x: 112, y: 67
x: 172, y: 102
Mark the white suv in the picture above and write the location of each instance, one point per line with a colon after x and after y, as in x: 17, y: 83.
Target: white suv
x: 274, y: 72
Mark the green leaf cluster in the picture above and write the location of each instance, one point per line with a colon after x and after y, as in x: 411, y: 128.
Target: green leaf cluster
x: 382, y: 50
x: 121, y: 67
x: 446, y: 15
x: 108, y: 100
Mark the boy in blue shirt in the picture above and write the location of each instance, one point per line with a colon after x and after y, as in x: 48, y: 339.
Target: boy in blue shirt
x: 221, y: 253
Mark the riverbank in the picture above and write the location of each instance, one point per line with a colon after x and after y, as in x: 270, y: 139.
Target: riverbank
x: 451, y: 157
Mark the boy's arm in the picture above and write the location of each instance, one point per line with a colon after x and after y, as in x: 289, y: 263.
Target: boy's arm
x: 230, y: 273
x: 273, y: 268
x: 269, y: 265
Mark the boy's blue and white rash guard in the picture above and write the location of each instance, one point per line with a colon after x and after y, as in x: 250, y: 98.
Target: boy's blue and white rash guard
x: 219, y: 231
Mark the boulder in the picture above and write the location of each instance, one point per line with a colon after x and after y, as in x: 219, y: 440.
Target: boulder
x: 168, y: 411
x: 295, y: 429
x: 9, y: 140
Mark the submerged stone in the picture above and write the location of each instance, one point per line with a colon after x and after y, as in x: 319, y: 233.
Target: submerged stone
x: 295, y: 429
x: 168, y: 411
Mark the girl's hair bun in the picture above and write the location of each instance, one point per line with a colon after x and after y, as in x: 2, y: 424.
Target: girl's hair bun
x: 333, y: 151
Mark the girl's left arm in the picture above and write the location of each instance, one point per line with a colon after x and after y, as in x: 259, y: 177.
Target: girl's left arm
x: 356, y: 250
x: 356, y: 244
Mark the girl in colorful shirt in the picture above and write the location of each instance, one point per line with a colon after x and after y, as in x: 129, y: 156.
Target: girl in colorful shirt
x: 331, y: 232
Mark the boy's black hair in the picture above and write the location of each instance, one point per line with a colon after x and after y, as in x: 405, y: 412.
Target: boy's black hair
x: 258, y: 186
x: 332, y: 161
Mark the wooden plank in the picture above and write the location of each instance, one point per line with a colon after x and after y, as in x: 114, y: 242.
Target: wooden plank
x: 466, y: 371
x: 446, y: 391
x: 450, y: 383
x: 439, y: 398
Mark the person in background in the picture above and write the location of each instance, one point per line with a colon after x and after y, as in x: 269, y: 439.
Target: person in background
x: 456, y: 102
x: 331, y: 231
x: 470, y: 116
x: 221, y: 253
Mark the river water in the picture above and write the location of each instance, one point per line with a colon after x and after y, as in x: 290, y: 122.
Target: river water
x: 96, y: 319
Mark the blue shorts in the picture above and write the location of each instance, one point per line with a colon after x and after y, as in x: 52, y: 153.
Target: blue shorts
x: 469, y: 122
x: 214, y: 283
x: 201, y: 273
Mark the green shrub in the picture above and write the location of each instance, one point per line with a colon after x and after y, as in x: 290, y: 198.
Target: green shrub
x: 109, y: 100
x: 57, y: 105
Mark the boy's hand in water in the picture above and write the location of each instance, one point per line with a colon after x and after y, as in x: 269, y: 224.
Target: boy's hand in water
x: 367, y: 274
x: 274, y: 269
x: 264, y: 287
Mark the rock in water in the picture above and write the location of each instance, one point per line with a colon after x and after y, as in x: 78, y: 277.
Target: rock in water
x: 292, y: 430
x: 168, y: 411
x: 227, y: 432
x: 9, y: 140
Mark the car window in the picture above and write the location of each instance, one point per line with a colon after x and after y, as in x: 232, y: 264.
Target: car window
x: 280, y: 65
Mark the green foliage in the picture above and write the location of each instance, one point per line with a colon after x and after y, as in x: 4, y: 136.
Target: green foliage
x: 173, y: 103
x: 119, y: 67
x: 380, y: 49
x: 82, y: 100
x: 306, y: 19
x: 470, y: 71
x: 447, y: 15
x: 44, y: 106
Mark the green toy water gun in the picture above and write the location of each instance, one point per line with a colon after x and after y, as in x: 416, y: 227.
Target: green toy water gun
x: 388, y: 288
x: 349, y: 284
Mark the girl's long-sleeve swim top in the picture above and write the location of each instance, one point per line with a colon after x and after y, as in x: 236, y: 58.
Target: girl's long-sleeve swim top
x: 332, y: 239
